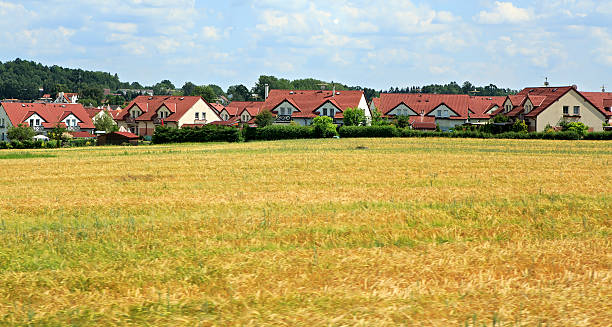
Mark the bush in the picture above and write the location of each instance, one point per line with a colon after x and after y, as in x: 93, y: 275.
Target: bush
x: 577, y: 127
x: 279, y: 132
x: 519, y: 126
x: 598, y: 136
x: 324, y: 126
x: 264, y: 118
x: 402, y: 121
x: 20, y: 133
x: 354, y: 117
x: 208, y: 133
x: 369, y: 131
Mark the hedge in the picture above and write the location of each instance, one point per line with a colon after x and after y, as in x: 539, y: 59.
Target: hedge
x: 598, y: 136
x: 51, y: 144
x: 207, y: 133
x: 279, y: 132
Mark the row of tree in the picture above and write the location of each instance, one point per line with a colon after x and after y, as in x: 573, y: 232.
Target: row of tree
x: 27, y: 80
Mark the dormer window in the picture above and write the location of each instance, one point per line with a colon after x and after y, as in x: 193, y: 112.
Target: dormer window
x: 331, y: 112
x: 197, y: 116
x: 324, y: 111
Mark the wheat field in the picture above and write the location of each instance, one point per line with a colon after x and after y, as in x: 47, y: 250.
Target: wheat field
x: 359, y: 232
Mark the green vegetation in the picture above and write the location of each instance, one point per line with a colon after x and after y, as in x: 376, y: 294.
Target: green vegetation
x: 20, y: 133
x: 264, y: 118
x: 324, y: 126
x: 354, y: 117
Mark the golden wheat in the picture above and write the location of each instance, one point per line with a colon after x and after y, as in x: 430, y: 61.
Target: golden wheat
x: 309, y: 232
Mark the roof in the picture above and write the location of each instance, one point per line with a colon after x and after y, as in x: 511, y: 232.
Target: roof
x: 376, y: 102
x: 82, y: 135
x: 126, y: 134
x: 178, y: 106
x: 235, y: 108
x: 601, y: 100
x: 217, y: 107
x: 51, y: 113
x: 92, y: 112
x: 424, y: 104
x: 423, y: 122
x: 309, y: 101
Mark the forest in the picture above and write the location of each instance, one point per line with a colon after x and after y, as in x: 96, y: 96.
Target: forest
x: 28, y: 80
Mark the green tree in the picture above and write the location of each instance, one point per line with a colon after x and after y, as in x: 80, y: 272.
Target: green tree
x: 58, y: 133
x: 403, y: 121
x: 354, y: 117
x: 217, y: 89
x: 188, y: 89
x: 205, y: 92
x: 578, y: 127
x: 20, y: 133
x: 238, y: 93
x: 164, y: 87
x: 377, y: 119
x: 324, y: 126
x: 88, y: 102
x: 264, y: 118
x: 106, y: 123
x: 520, y: 126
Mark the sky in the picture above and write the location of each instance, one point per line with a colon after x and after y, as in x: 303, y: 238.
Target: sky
x: 376, y: 44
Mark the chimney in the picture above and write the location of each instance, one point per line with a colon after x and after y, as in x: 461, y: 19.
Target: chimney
x: 334, y: 91
x: 546, y: 82
x: 267, y: 91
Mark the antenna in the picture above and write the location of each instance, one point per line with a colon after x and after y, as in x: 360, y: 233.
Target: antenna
x: 546, y: 82
x: 603, y: 88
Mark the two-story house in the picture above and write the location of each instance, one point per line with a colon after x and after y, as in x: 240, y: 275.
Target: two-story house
x: 43, y: 117
x: 549, y: 106
x: 302, y: 106
x: 444, y: 110
x: 144, y: 113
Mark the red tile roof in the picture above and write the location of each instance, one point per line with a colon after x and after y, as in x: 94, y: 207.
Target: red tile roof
x: 235, y: 108
x: 423, y: 122
x: 82, y: 135
x: 149, y: 105
x: 51, y: 113
x: 309, y: 101
x: 461, y: 104
x: 601, y: 100
x: 92, y: 112
x: 217, y: 107
x: 127, y: 134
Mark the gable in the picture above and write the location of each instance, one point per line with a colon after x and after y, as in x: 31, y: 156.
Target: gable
x: 402, y: 110
x: 492, y: 110
x: 34, y: 116
x: 442, y: 111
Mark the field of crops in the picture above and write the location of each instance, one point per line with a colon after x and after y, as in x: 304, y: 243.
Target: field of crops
x: 442, y: 232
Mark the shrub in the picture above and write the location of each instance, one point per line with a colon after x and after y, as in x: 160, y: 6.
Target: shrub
x: 354, y: 117
x: 369, y: 131
x: 402, y: 121
x: 598, y: 136
x: 208, y: 133
x: 280, y: 132
x: 519, y: 126
x: 20, y: 133
x: 264, y: 118
x: 324, y: 126
x: 577, y: 127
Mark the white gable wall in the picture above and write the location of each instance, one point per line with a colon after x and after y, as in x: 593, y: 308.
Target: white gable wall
x: 442, y: 111
x: 201, y: 108
x: 402, y: 110
x: 5, y: 124
x: 589, y: 115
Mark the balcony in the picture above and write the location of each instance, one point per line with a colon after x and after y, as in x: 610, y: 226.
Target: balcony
x: 157, y: 121
x: 73, y: 128
x: 38, y: 129
x: 283, y: 118
x: 130, y: 120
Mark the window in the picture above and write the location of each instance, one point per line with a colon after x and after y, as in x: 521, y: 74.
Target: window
x: 331, y: 112
x: 566, y: 110
x: 445, y: 113
x: 203, y: 116
x: 282, y: 111
x: 37, y: 122
x: 438, y: 113
x: 197, y: 116
x: 577, y: 110
x: 607, y: 109
x: 324, y: 111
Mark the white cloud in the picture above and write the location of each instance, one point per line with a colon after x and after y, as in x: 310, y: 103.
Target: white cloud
x: 504, y: 12
x: 211, y: 33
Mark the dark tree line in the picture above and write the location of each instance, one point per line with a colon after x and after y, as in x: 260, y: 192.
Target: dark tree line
x: 27, y: 80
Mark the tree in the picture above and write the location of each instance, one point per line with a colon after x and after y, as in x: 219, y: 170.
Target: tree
x: 264, y: 118
x: 20, y: 133
x: 354, y: 117
x: 58, y: 133
x: 188, y: 89
x: 520, y: 126
x: 324, y: 126
x: 238, y: 93
x: 87, y: 102
x: 106, y: 123
x: 377, y: 119
x: 217, y: 89
x: 577, y: 127
x: 205, y: 92
x: 403, y: 121
x: 164, y: 87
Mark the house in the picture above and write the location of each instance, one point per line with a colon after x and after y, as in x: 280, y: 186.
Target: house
x: 302, y: 106
x: 443, y: 110
x: 46, y: 98
x: 241, y: 112
x: 603, y: 102
x: 96, y: 113
x: 144, y: 113
x: 43, y: 117
x: 546, y: 106
x: 67, y: 98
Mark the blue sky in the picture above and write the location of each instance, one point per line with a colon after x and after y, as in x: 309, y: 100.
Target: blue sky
x: 376, y: 44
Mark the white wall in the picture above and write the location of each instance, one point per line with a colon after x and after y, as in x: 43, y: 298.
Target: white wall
x: 401, y: 109
x: 589, y: 115
x: 7, y: 124
x: 199, y: 107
